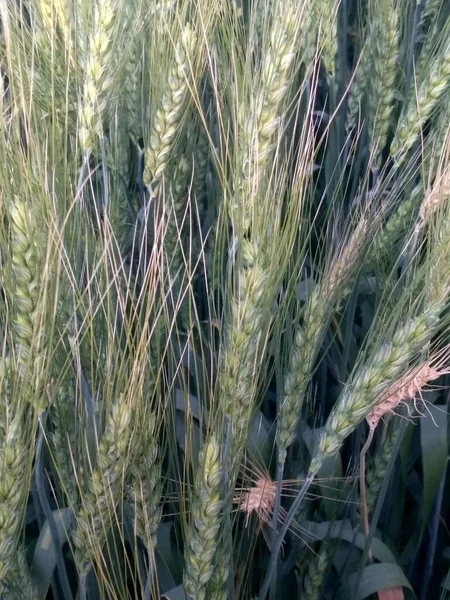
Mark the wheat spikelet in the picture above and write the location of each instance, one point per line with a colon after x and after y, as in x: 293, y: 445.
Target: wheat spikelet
x: 97, y: 80
x: 104, y: 489
x: 205, y: 522
x: 419, y: 108
x: 166, y: 125
x: 370, y: 381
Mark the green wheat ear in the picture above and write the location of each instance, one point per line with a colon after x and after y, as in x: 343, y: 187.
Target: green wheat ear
x: 104, y: 488
x: 360, y: 396
x: 421, y: 105
x: 201, y: 541
x: 168, y: 117
x: 97, y: 78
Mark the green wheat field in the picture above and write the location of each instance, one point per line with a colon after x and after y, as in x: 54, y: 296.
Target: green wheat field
x: 224, y: 299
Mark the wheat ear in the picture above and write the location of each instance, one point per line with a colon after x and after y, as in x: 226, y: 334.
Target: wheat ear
x: 377, y: 470
x: 385, y: 68
x: 145, y: 487
x: 175, y: 203
x: 64, y: 442
x: 436, y: 195
x: 13, y: 493
x: 308, y: 338
x: 201, y: 541
x: 259, y: 124
x: 419, y: 108
x: 104, y: 489
x: 166, y: 125
x: 26, y: 245
x: 17, y: 583
x: 395, y: 227
x: 97, y: 80
x: 249, y: 312
x: 359, y: 83
x: 133, y: 75
x: 315, y: 573
x: 369, y: 383
x: 326, y: 19
x: 217, y: 586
